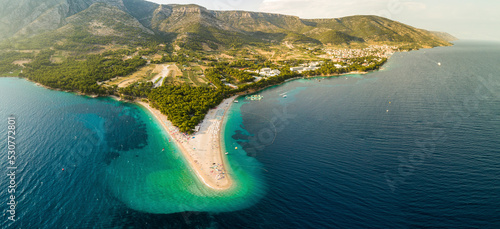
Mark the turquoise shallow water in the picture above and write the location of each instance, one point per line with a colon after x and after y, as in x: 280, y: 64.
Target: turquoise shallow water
x: 412, y: 146
x: 79, y: 157
x: 162, y: 182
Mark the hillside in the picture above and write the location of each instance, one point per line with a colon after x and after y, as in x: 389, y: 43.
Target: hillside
x: 118, y: 47
x: 16, y: 15
x: 27, y: 24
x: 444, y: 36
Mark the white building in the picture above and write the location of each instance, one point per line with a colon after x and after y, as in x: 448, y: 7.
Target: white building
x: 311, y: 68
x: 296, y: 69
x: 317, y: 63
x: 269, y: 72
x: 275, y: 72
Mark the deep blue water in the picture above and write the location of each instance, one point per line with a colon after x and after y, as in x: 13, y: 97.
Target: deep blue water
x: 100, y: 163
x: 414, y: 145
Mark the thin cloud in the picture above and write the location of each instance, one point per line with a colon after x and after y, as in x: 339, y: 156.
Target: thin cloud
x: 336, y: 8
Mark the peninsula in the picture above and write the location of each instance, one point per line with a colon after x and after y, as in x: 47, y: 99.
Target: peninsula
x: 186, y: 63
x: 204, y: 149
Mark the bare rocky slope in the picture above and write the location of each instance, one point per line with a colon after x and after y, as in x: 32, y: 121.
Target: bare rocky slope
x: 34, y: 23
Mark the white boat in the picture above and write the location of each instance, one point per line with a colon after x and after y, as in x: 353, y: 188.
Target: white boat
x: 254, y: 97
x: 284, y: 96
x: 236, y: 101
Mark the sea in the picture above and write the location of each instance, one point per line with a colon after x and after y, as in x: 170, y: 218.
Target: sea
x: 413, y: 145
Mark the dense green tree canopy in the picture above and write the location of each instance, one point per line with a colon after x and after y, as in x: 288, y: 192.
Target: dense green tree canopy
x: 7, y: 59
x: 79, y: 75
x: 185, y: 106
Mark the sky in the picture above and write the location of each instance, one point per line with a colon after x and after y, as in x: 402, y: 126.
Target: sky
x: 464, y: 19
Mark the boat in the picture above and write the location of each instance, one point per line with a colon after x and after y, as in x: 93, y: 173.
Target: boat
x: 254, y: 97
x: 439, y: 63
x: 236, y: 101
x: 284, y: 96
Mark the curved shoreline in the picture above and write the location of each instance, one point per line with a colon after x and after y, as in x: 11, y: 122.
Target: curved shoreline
x: 203, y: 149
x: 206, y: 158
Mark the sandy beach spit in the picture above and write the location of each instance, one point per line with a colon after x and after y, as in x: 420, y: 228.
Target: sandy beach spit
x: 202, y: 150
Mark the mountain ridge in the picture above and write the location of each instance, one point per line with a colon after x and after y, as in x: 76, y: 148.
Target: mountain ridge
x: 195, y: 25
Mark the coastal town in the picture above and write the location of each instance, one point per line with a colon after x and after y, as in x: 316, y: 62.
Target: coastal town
x: 159, y: 70
x: 341, y: 59
x: 249, y: 114
x: 202, y: 83
x: 341, y: 55
x: 202, y: 147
